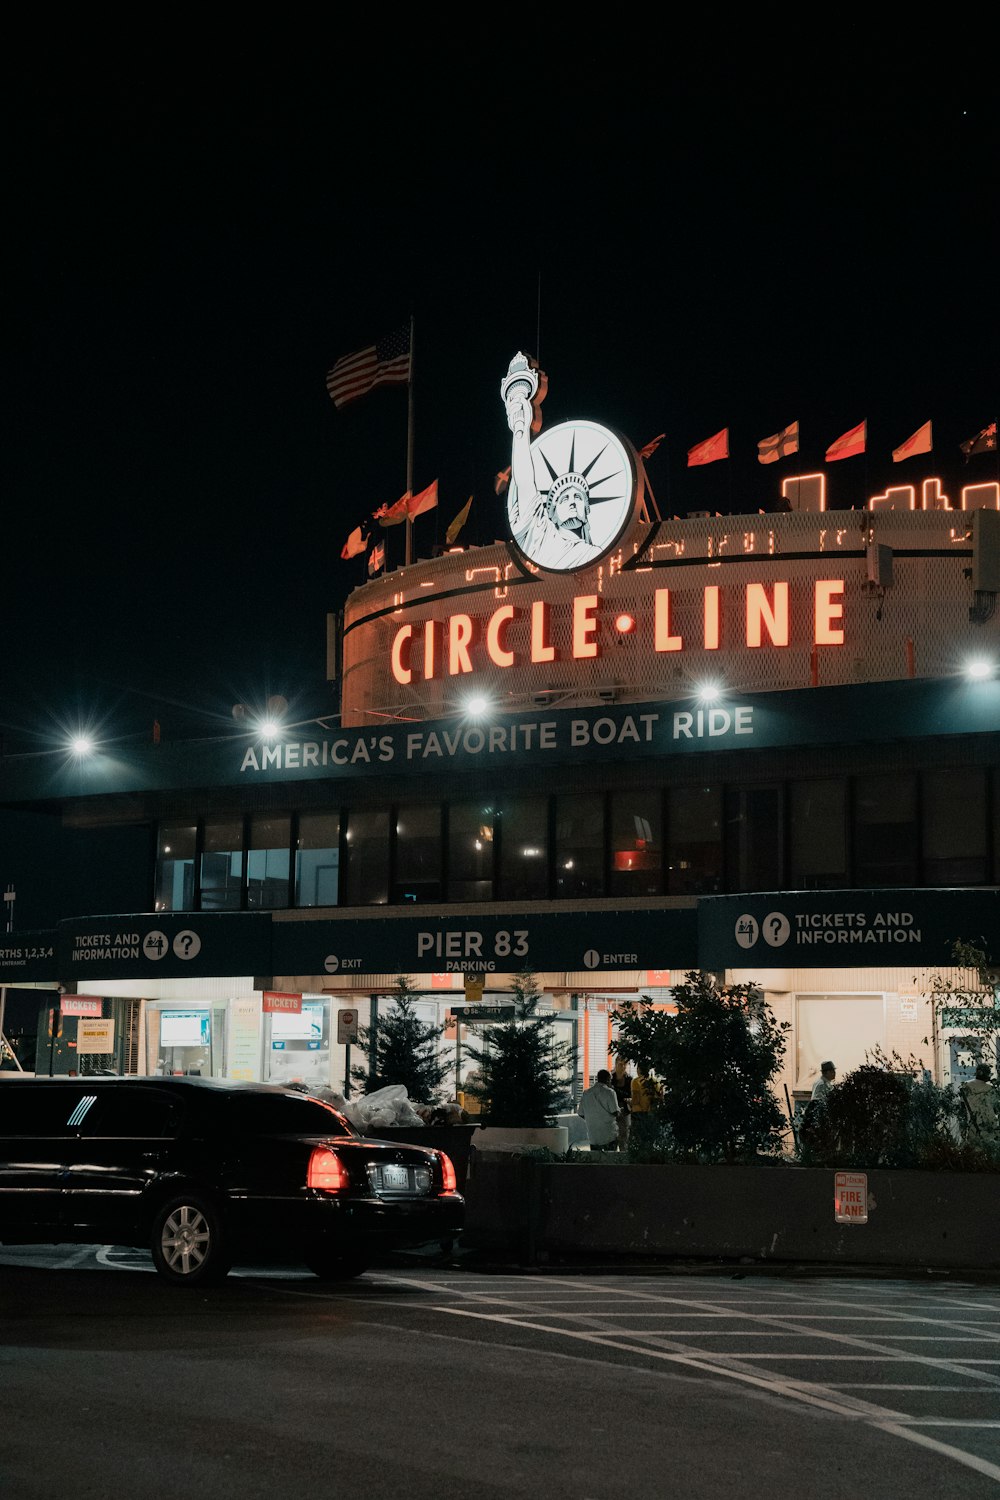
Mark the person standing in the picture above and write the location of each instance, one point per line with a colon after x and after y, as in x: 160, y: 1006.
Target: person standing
x: 598, y: 1108
x: 646, y: 1095
x: 824, y: 1083
x: 621, y: 1082
x: 980, y: 1099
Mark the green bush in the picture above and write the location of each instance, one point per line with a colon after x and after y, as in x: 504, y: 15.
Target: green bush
x: 716, y: 1060
x: 888, y: 1113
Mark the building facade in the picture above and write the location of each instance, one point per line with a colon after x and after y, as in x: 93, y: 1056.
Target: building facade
x: 766, y: 745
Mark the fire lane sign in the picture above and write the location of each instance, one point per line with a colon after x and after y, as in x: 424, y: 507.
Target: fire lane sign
x: 850, y: 1198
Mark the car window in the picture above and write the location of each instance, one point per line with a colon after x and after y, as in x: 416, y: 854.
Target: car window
x: 40, y: 1110
x: 133, y: 1111
x: 285, y: 1114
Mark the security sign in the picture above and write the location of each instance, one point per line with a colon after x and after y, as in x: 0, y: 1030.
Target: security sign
x: 347, y: 1026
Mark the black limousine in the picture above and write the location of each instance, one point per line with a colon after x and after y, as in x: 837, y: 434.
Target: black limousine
x: 204, y: 1173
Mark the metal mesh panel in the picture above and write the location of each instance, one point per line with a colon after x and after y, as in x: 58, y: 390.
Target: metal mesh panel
x: 923, y: 614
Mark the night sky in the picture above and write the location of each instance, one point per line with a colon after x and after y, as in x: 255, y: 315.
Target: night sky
x: 728, y: 226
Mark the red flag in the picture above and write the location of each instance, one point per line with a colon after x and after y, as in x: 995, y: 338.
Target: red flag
x: 426, y: 500
x: 501, y: 481
x: 711, y: 449
x: 849, y: 444
x: 920, y: 442
x: 355, y: 543
x: 651, y: 447
x: 384, y: 363
x: 407, y: 506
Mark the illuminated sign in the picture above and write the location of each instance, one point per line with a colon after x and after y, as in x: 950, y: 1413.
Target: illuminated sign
x: 572, y: 491
x: 807, y: 492
x: 511, y: 637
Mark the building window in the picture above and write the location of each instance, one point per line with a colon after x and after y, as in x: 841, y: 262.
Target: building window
x: 317, y: 860
x: 524, y: 849
x: 175, y: 855
x: 268, y: 862
x: 470, y: 851
x: 694, y: 841
x: 368, y: 857
x: 636, y: 844
x: 753, y: 833
x: 418, y: 854
x: 579, y: 851
x: 222, y: 866
x: 885, y: 830
x: 955, y: 833
x: 817, y: 813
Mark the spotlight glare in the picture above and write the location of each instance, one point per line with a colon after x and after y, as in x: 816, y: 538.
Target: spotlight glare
x: 477, y: 705
x: 708, y: 692
x: 268, y: 730
x: 81, y: 745
x: 979, y: 667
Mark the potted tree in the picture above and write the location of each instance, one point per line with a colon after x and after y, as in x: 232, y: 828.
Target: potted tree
x: 405, y: 1050
x: 520, y: 1064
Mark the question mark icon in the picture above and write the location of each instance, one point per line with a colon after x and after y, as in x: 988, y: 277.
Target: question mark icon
x: 187, y: 944
x: 776, y: 929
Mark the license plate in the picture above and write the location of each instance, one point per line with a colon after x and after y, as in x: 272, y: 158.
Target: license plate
x: 395, y: 1179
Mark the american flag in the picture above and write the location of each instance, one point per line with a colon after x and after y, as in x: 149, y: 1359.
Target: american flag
x: 384, y: 363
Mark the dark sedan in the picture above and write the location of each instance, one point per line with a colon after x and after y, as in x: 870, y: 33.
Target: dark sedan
x: 204, y: 1173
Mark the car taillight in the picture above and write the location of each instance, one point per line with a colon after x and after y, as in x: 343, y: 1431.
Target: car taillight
x: 326, y: 1171
x: 449, y: 1181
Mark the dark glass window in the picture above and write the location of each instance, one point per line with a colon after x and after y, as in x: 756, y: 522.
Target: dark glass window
x: 885, y: 830
x: 470, y: 851
x: 524, y: 849
x: 418, y: 854
x: 175, y: 854
x: 694, y: 840
x: 222, y: 866
x: 996, y: 827
x: 268, y: 861
x: 636, y: 844
x: 317, y: 860
x: 753, y: 831
x: 131, y: 1111
x: 283, y: 1114
x: 43, y: 1109
x: 368, y: 857
x: 955, y: 830
x: 579, y: 852
x: 817, y: 812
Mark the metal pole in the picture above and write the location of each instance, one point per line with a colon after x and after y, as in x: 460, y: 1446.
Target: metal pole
x: 347, y: 1070
x: 409, y: 446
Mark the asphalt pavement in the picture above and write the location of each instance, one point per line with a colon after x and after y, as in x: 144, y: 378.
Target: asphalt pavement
x: 461, y: 1383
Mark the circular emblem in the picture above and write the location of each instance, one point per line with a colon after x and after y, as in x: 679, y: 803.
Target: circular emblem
x: 331, y: 963
x: 155, y: 945
x: 583, y: 500
x: 776, y: 928
x: 187, y: 944
x: 591, y: 958
x: 747, y: 930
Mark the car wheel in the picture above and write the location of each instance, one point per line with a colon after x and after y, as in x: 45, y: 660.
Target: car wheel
x: 330, y: 1265
x: 188, y: 1242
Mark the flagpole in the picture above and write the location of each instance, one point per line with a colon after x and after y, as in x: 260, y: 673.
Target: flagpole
x: 409, y: 447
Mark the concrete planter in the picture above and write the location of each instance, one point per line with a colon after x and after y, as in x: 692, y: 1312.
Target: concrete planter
x: 554, y: 1138
x: 537, y: 1210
